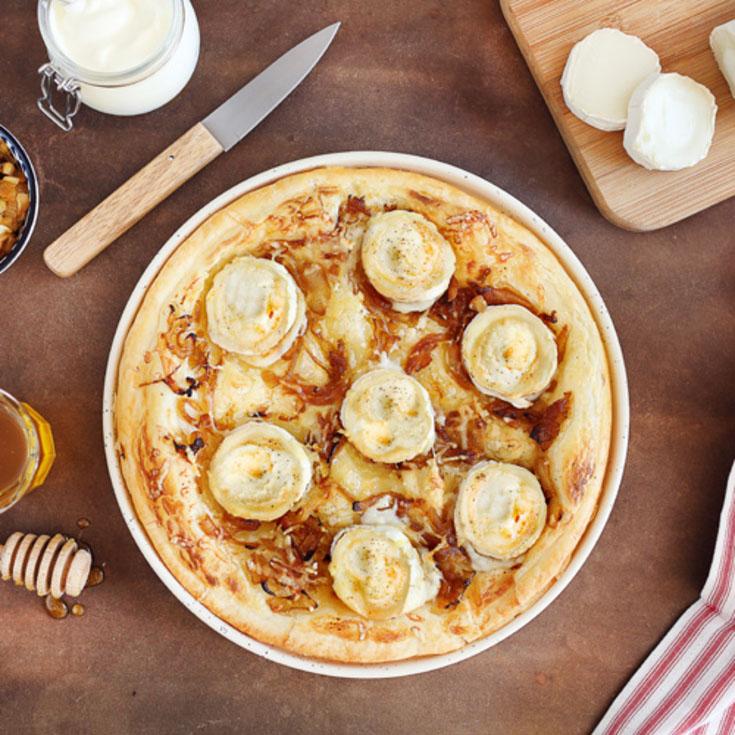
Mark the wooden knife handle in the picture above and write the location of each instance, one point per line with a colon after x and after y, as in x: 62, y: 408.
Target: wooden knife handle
x: 132, y: 201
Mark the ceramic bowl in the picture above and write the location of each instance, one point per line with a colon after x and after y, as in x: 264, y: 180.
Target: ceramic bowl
x: 23, y: 159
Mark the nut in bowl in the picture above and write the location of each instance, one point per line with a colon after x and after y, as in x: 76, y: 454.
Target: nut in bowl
x: 18, y: 199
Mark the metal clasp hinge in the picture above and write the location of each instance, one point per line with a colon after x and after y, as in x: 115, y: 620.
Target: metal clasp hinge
x: 52, y: 84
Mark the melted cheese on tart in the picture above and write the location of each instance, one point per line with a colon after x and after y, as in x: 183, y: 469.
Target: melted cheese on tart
x: 407, y: 260
x: 255, y: 308
x: 388, y: 416
x: 259, y: 471
x: 346, y: 319
x: 500, y: 511
x: 361, y: 478
x: 378, y: 573
x: 510, y: 354
x: 382, y: 514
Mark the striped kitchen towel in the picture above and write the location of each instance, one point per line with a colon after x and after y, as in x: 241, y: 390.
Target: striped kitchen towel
x: 687, y: 685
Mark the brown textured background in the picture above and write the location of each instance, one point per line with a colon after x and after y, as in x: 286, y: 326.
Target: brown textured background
x: 444, y: 80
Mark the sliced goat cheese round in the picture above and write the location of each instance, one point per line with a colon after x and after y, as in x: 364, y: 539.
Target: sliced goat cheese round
x: 671, y: 121
x: 378, y: 573
x: 255, y: 309
x: 601, y: 73
x: 509, y: 354
x: 500, y: 511
x: 259, y: 471
x: 722, y: 42
x: 388, y: 416
x: 407, y: 260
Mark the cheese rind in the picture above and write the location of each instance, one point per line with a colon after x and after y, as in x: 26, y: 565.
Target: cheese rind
x: 671, y: 121
x: 601, y: 73
x: 722, y: 43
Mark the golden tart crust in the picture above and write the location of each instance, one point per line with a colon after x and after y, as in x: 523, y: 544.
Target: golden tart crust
x: 179, y: 394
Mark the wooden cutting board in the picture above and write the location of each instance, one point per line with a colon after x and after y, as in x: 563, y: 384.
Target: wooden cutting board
x: 678, y: 31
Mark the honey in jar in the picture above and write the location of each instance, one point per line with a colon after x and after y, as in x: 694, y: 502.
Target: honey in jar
x: 26, y: 450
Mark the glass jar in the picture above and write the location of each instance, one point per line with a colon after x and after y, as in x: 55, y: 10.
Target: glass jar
x: 26, y: 450
x: 134, y: 91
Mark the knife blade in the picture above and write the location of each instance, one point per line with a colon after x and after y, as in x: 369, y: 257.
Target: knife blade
x: 200, y: 145
x: 236, y: 117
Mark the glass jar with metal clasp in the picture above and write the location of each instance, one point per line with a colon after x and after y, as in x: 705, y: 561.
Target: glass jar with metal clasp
x: 144, y: 85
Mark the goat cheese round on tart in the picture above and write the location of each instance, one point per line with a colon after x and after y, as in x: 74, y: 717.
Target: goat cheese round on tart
x: 378, y: 573
x: 500, y: 510
x: 407, y: 260
x: 255, y: 308
x: 388, y: 416
x: 275, y: 411
x: 259, y: 471
x: 510, y: 354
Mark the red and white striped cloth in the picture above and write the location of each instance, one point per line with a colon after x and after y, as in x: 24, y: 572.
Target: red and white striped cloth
x: 687, y: 685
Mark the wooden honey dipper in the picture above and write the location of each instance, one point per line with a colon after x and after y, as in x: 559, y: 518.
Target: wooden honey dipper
x: 55, y: 566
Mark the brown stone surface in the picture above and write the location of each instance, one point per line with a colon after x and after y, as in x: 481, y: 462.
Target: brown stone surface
x: 444, y: 80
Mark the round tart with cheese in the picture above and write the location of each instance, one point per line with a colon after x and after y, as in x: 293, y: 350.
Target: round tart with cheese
x: 363, y: 416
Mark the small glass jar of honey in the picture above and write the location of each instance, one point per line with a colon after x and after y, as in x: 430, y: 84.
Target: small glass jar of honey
x: 26, y: 450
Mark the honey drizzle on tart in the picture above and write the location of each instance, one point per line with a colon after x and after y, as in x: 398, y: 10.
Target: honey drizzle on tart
x: 287, y: 560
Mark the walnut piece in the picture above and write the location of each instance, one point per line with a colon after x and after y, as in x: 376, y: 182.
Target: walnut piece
x: 14, y: 199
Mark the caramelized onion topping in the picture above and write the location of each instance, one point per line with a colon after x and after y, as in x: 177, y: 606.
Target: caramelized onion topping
x: 385, y: 321
x: 418, y: 516
x: 542, y: 423
x: 271, y: 568
x: 326, y: 437
x: 420, y: 355
x: 232, y: 524
x: 457, y: 573
x: 307, y: 537
x: 183, y: 341
x: 456, y: 366
x: 181, y: 338
x: 498, y: 296
x: 291, y: 566
x: 548, y: 425
x: 338, y: 380
x: 355, y: 205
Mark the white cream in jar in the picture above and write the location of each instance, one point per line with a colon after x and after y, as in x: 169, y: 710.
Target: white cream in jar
x: 128, y: 56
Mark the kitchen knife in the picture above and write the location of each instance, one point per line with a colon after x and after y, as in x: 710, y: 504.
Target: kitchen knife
x: 217, y: 133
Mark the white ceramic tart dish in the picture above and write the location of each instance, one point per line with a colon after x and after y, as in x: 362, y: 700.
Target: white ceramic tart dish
x: 172, y: 396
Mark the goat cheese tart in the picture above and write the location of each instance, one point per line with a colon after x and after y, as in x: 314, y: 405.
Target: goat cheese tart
x: 363, y: 416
